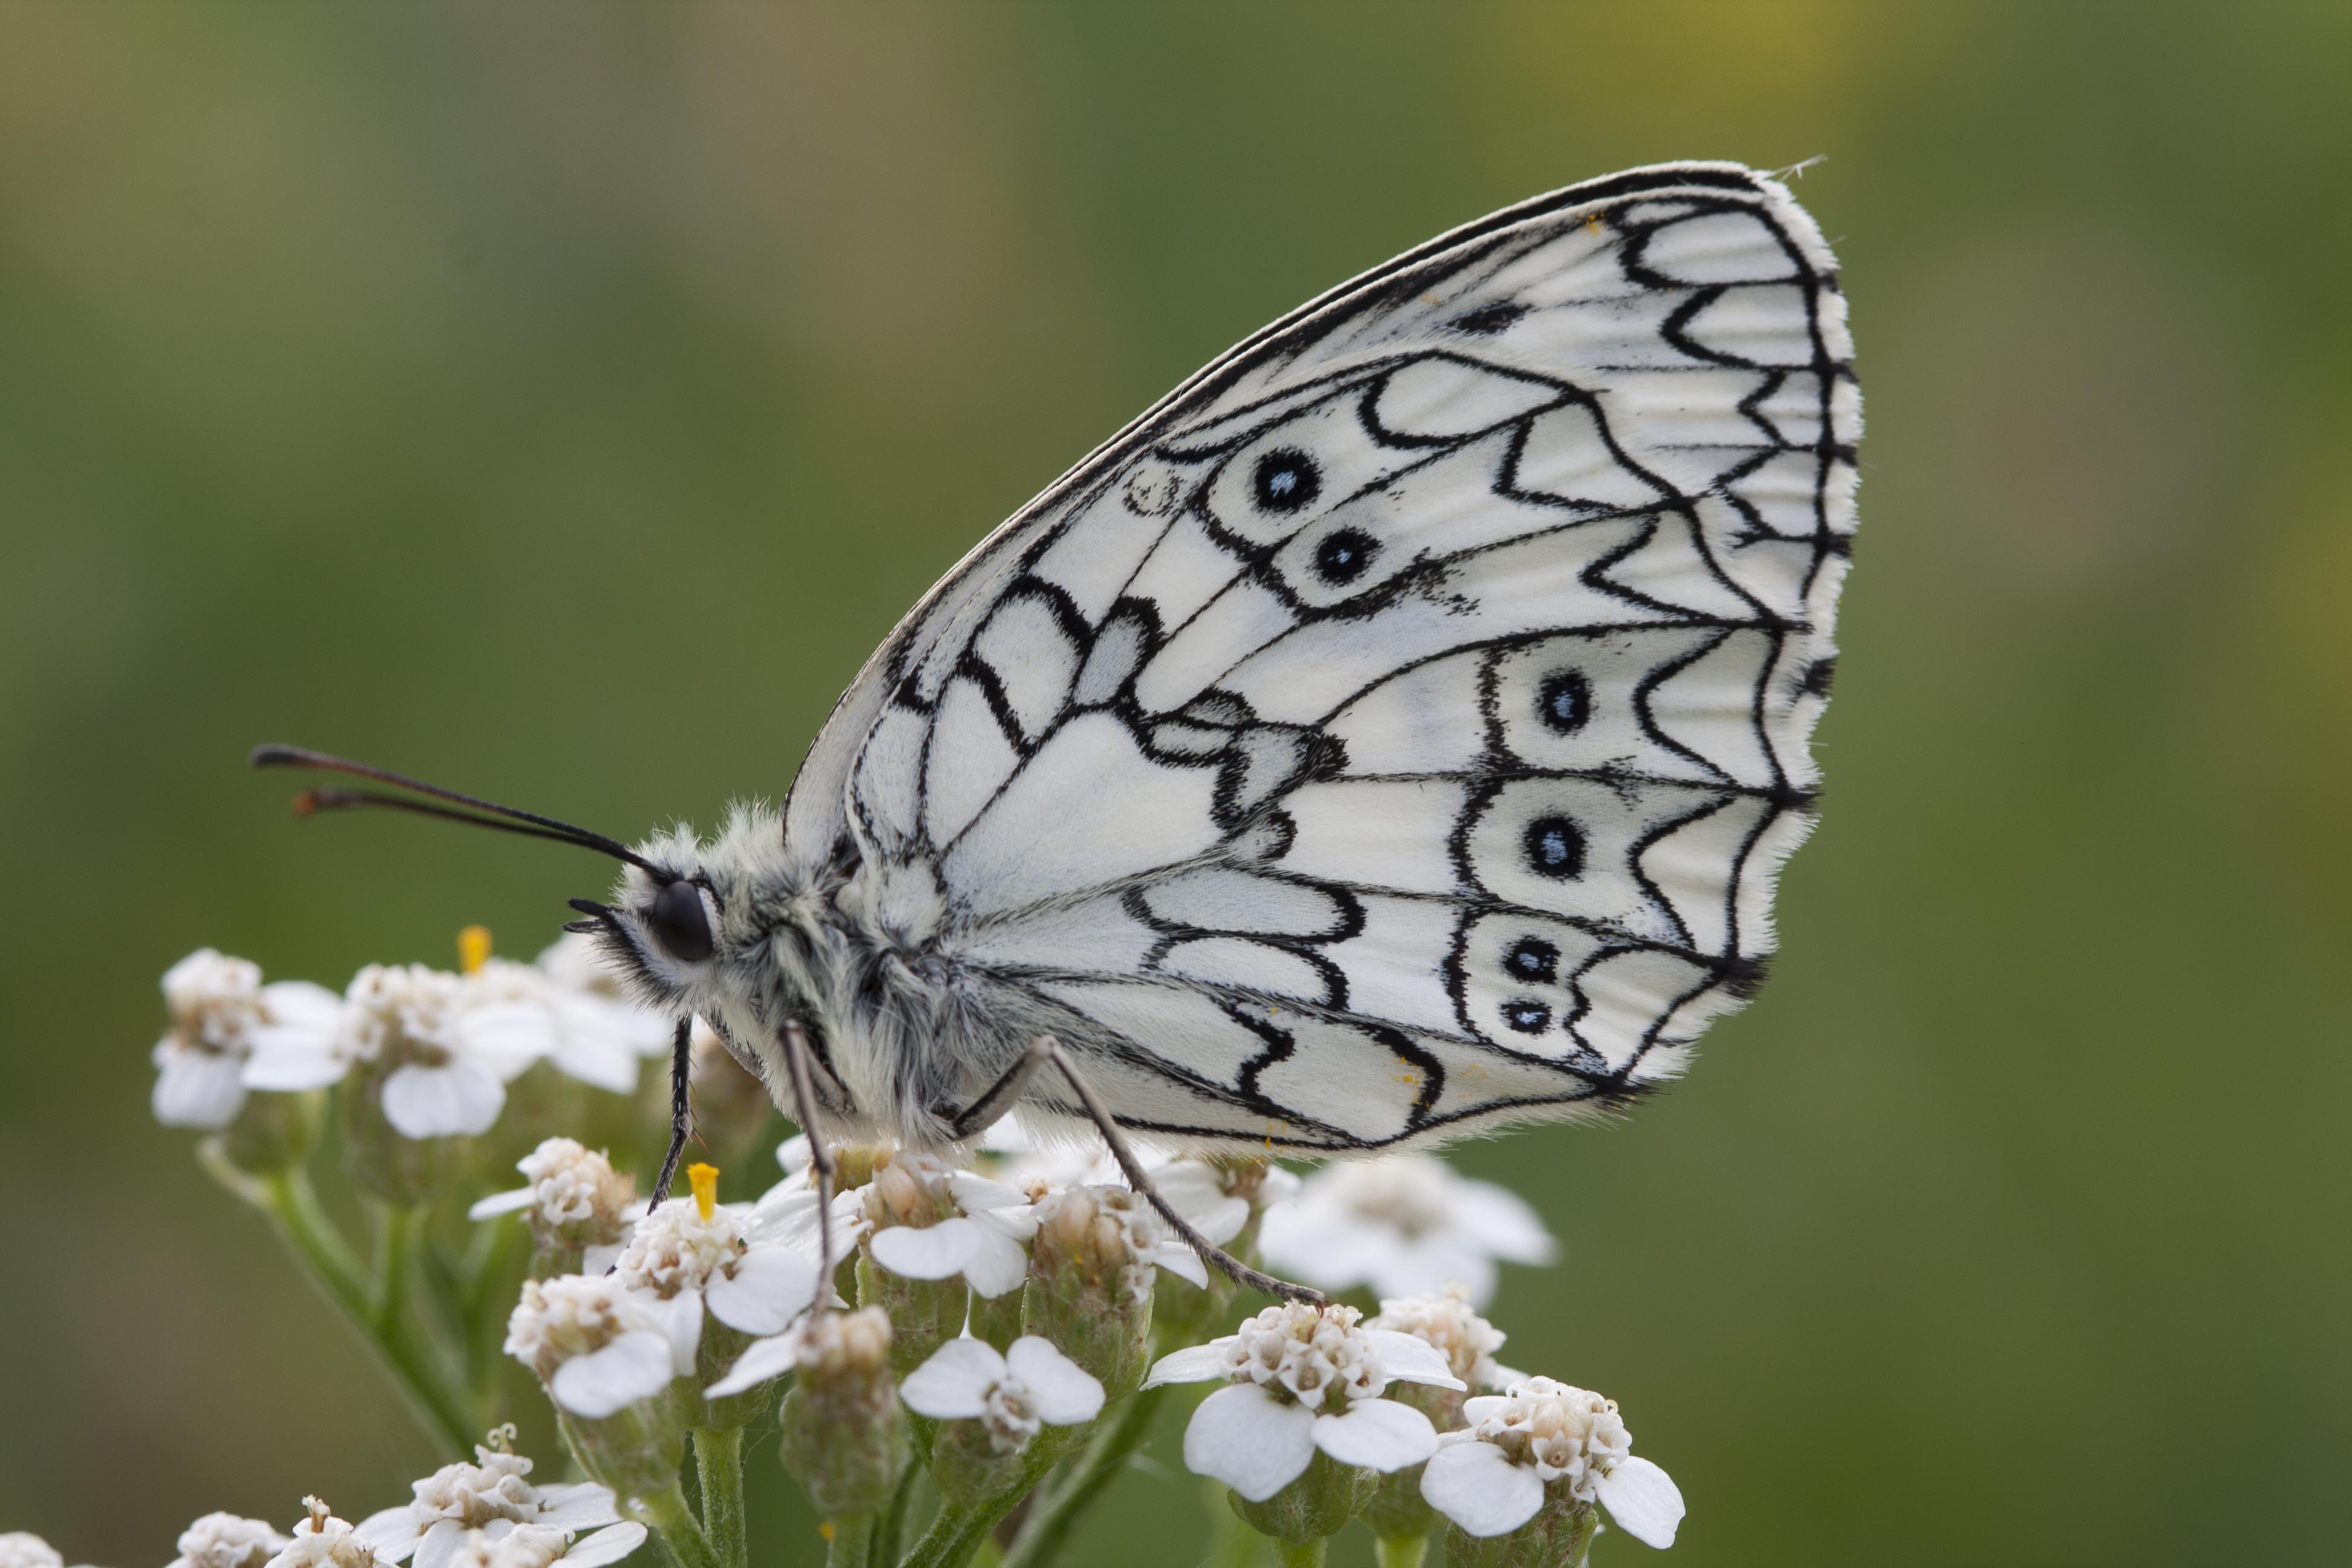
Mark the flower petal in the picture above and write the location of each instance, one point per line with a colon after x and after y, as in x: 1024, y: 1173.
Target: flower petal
x: 607, y: 1545
x: 929, y: 1252
x: 441, y: 1101
x: 1501, y: 1223
x: 500, y: 1202
x: 1476, y: 1486
x: 391, y: 1532
x: 1410, y: 1360
x: 599, y: 1061
x: 287, y: 1059
x: 680, y: 1317
x: 1063, y: 1393
x: 997, y: 1263
x: 637, y: 1365
x: 442, y: 1538
x: 760, y: 1360
x: 1193, y: 1363
x: 198, y: 1088
x: 1377, y: 1435
x: 1182, y: 1262
x: 953, y: 1385
x: 580, y: 1505
x: 1642, y: 1500
x: 505, y: 1038
x: 1252, y: 1442
x: 974, y: 1193
x: 298, y: 1004
x: 771, y: 1287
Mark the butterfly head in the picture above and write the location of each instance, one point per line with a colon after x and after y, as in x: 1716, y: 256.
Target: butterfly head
x: 688, y: 922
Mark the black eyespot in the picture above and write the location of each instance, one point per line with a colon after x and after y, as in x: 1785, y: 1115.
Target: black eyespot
x: 677, y: 919
x: 1554, y: 847
x: 1527, y: 1017
x: 1343, y: 557
x: 1285, y: 480
x: 1534, y: 959
x: 1565, y: 701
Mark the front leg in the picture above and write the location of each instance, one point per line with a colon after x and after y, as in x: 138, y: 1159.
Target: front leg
x: 999, y: 1096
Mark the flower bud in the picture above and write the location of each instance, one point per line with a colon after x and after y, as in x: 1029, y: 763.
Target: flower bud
x: 273, y: 1133
x: 1090, y: 1278
x: 322, y: 1541
x: 842, y: 1434
x: 910, y: 1190
x: 608, y: 1358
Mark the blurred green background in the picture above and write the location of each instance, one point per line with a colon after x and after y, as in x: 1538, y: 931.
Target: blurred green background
x: 561, y: 401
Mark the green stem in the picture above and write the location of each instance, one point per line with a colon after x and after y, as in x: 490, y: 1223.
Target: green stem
x: 849, y: 1540
x: 668, y: 1516
x: 1302, y: 1553
x: 719, y: 1463
x: 960, y: 1528
x: 413, y: 1345
x: 292, y: 1204
x: 893, y: 1525
x: 1047, y: 1528
x: 1400, y: 1550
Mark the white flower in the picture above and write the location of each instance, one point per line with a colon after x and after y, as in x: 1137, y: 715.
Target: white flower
x: 1490, y: 1478
x: 225, y: 1541
x: 567, y: 1010
x: 1406, y: 1225
x: 1303, y: 1378
x: 222, y: 1015
x: 322, y: 1541
x: 1448, y: 1322
x: 687, y: 1259
x: 787, y: 1211
x: 21, y: 1548
x: 981, y: 1240
x: 598, y: 1345
x: 503, y: 1545
x: 1029, y: 1386
x: 1193, y: 1188
x: 574, y: 1196
x: 841, y: 1348
x: 494, y: 1493
x: 449, y: 1063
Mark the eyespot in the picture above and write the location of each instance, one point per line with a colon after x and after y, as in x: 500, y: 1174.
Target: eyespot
x: 1285, y: 480
x: 679, y: 923
x: 1343, y: 556
x: 1554, y: 847
x: 1565, y: 701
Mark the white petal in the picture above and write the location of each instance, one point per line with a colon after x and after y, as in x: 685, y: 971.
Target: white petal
x: 440, y: 1541
x: 298, y: 1004
x: 1193, y: 1363
x: 1501, y: 1222
x: 443, y: 1102
x: 287, y: 1059
x: 1377, y: 1435
x: 607, y: 1545
x: 1252, y: 1442
x: 391, y: 1531
x: 505, y: 1038
x: 1182, y: 1262
x: 198, y: 1088
x: 1476, y: 1486
x: 760, y: 1360
x: 598, y: 1061
x: 582, y: 1505
x: 1410, y: 1360
x: 793, y: 1154
x: 500, y: 1202
x: 635, y: 1366
x: 1478, y: 1407
x: 600, y: 1258
x: 1643, y: 1501
x: 1063, y: 1393
x: 771, y: 1286
x: 931, y: 1252
x: 680, y: 1317
x: 997, y: 1264
x: 971, y: 1193
x: 953, y: 1385
x: 1429, y: 1267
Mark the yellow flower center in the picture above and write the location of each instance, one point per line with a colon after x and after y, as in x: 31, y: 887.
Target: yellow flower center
x: 473, y: 949
x: 704, y: 1179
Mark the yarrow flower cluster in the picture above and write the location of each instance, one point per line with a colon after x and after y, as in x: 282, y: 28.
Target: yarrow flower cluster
x: 1492, y: 1478
x: 490, y: 1507
x: 1302, y: 1378
x: 225, y: 1541
x: 223, y: 1019
x: 1405, y: 1226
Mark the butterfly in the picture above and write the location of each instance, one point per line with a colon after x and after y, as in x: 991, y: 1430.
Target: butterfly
x: 1394, y: 732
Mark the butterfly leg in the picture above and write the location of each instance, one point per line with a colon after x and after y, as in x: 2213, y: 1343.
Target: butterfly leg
x: 1210, y: 1253
x: 681, y: 1104
x: 1001, y: 1096
x: 796, y: 1068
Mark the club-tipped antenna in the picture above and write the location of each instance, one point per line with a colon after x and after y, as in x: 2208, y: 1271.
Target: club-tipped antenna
x: 530, y: 824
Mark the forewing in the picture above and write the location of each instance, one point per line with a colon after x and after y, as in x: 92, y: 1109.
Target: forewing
x: 1401, y: 726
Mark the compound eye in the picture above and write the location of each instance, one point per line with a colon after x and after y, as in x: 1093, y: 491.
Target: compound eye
x: 680, y: 923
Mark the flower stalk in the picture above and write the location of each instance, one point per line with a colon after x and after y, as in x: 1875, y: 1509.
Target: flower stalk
x: 718, y: 1466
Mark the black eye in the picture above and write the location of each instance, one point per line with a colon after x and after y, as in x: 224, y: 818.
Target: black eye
x: 678, y: 923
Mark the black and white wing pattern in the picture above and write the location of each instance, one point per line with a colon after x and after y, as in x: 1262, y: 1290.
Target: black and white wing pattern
x: 1398, y: 728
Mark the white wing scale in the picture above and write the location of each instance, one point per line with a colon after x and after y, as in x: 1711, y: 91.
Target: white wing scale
x: 1398, y: 728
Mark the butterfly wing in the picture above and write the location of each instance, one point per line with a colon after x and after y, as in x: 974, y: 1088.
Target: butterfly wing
x: 1400, y: 727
